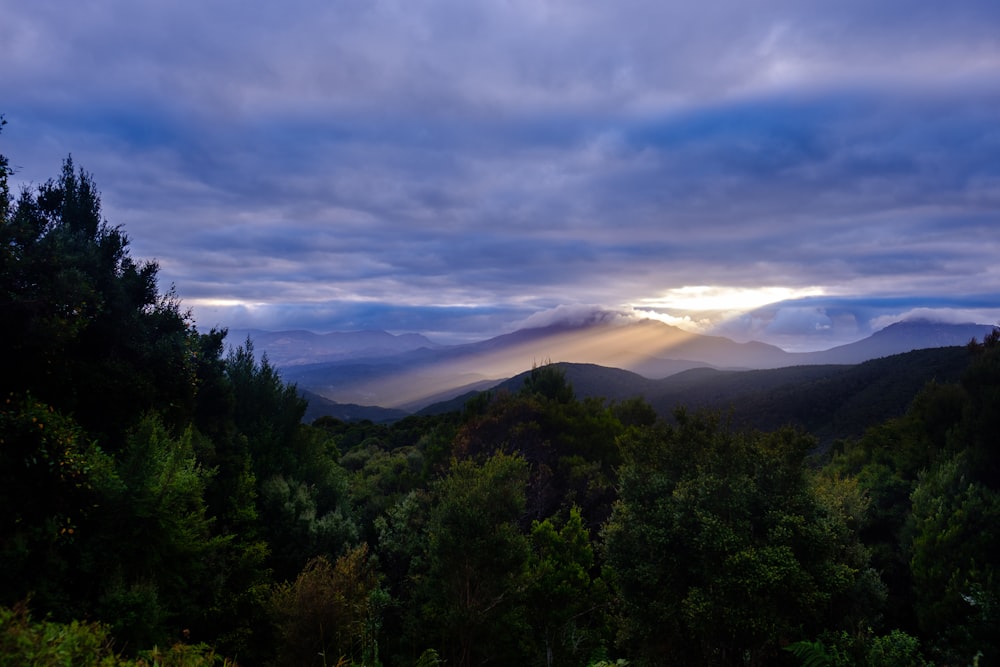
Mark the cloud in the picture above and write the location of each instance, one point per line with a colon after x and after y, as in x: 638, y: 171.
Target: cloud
x: 460, y: 166
x: 817, y: 323
x: 578, y: 315
x: 948, y: 315
x: 445, y: 325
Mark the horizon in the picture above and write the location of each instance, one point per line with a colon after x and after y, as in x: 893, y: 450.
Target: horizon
x: 799, y: 176
x: 578, y: 324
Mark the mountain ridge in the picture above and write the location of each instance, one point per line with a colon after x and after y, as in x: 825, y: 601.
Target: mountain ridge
x: 830, y: 401
x: 410, y: 377
x: 298, y: 346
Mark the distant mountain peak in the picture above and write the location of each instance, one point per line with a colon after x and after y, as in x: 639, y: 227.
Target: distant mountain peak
x: 925, y: 326
x: 926, y: 321
x: 900, y: 337
x: 297, y: 347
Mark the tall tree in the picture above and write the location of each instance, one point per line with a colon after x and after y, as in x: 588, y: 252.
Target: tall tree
x: 477, y: 556
x: 955, y: 542
x: 302, y: 492
x: 85, y: 328
x: 566, y: 602
x: 5, y: 171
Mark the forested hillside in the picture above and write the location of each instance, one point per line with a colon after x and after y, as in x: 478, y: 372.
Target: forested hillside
x: 161, y: 502
x: 832, y: 402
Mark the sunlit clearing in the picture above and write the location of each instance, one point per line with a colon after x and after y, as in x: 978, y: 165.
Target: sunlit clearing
x: 721, y: 298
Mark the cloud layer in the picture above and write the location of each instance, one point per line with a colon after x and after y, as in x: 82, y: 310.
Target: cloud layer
x: 453, y: 167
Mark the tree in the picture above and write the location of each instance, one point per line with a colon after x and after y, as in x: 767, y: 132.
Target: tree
x: 267, y: 411
x: 48, y: 493
x: 85, y: 328
x: 300, y: 526
x: 152, y: 547
x: 548, y: 381
x: 331, y: 612
x: 5, y: 171
x: 843, y: 649
x: 720, y: 547
x: 302, y: 494
x: 982, y: 420
x: 955, y: 550
x: 474, y: 587
x: 565, y: 602
x: 931, y: 477
x: 569, y: 445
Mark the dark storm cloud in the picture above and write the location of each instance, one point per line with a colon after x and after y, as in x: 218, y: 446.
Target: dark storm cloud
x: 441, y: 165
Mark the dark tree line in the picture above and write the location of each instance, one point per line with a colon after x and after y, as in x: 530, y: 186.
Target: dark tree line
x: 158, y: 489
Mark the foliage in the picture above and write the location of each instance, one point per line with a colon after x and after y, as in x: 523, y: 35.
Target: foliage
x: 429, y: 658
x: 47, y: 492
x: 331, y: 611
x: 84, y: 327
x: 267, y: 411
x: 79, y: 644
x: 955, y: 551
x: 721, y: 547
x: 299, y: 526
x: 476, y: 560
x: 886, y: 462
x: 565, y: 600
x: 569, y: 445
x: 381, y: 478
x: 302, y: 492
x: 815, y: 654
x: 548, y: 381
x: 896, y: 649
x: 932, y: 482
x: 981, y: 421
x: 154, y: 544
x: 26, y: 642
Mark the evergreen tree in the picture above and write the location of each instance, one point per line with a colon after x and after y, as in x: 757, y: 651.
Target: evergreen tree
x: 85, y: 328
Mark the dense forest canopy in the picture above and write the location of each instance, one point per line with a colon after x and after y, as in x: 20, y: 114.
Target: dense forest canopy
x: 162, y: 502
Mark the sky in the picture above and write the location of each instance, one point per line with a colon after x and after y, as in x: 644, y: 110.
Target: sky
x: 801, y: 173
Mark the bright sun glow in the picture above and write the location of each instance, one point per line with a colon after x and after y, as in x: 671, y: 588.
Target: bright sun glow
x: 720, y: 298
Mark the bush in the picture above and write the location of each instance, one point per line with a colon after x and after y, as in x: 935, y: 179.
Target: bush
x: 82, y: 644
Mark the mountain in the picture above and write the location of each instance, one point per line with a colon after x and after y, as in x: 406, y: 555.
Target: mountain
x: 649, y: 347
x: 322, y: 407
x: 414, y: 378
x: 407, y: 374
x: 292, y: 348
x: 901, y: 337
x: 829, y: 401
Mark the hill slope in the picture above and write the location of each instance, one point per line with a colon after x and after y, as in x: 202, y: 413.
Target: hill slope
x: 829, y: 401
